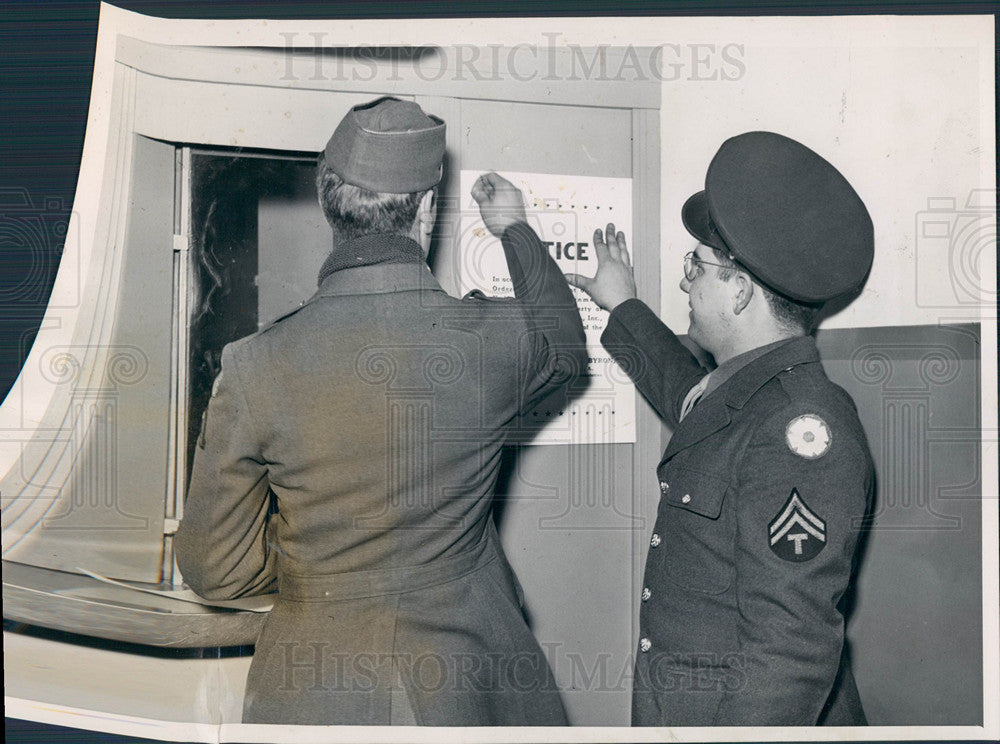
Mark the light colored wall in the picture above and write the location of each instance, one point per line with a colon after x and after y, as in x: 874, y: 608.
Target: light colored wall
x: 902, y: 106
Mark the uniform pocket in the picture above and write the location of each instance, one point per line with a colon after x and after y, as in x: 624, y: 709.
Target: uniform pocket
x: 696, y: 549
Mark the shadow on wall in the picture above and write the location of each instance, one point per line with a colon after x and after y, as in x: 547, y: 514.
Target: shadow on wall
x: 916, y: 627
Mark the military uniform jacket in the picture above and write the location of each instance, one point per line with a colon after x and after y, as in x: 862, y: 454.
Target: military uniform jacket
x: 375, y: 415
x: 763, y: 488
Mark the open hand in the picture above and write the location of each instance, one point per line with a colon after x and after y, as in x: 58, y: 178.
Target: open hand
x: 613, y: 283
x: 500, y: 202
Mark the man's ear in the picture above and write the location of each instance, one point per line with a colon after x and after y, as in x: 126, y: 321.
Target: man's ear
x: 427, y: 211
x: 744, y: 292
x: 423, y: 226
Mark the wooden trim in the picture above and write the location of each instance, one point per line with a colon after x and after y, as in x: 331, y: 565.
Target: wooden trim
x: 611, y: 77
x: 180, y: 321
x: 644, y: 249
x: 80, y: 604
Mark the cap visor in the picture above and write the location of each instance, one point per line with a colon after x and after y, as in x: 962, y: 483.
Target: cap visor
x: 696, y: 219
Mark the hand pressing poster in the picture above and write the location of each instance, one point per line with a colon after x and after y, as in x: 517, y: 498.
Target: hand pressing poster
x: 564, y: 211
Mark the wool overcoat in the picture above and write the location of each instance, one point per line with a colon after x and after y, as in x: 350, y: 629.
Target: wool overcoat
x: 764, y: 487
x: 374, y: 417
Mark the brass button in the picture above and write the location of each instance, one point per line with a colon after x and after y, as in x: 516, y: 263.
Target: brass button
x: 686, y: 499
x: 664, y: 486
x: 655, y: 540
x: 646, y: 594
x: 645, y: 644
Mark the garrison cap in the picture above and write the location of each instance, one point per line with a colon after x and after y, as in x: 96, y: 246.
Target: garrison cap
x: 785, y: 214
x: 388, y: 145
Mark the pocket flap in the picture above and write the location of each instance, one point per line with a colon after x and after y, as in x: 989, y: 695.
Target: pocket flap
x: 693, y: 490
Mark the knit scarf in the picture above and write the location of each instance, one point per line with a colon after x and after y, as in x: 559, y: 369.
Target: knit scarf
x: 369, y: 250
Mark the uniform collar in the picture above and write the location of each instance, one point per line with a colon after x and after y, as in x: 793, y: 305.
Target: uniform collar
x: 753, y: 376
x: 731, y: 366
x: 370, y: 250
x: 713, y: 412
x: 391, y: 263
x: 379, y: 279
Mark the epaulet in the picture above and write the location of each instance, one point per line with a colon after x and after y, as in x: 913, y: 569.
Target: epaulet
x: 821, y: 392
x: 271, y: 324
x: 478, y: 295
x: 799, y: 380
x: 773, y: 394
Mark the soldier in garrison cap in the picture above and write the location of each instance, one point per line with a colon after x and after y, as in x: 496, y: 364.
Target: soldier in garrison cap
x: 374, y: 417
x: 768, y: 475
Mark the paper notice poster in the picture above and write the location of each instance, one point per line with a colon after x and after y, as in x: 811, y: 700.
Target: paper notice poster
x: 564, y: 211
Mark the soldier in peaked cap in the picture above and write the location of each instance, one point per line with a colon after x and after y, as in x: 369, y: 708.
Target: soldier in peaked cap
x: 768, y: 475
x: 374, y: 416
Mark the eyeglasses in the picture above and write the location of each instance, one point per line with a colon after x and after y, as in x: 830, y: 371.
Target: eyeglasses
x: 692, y: 262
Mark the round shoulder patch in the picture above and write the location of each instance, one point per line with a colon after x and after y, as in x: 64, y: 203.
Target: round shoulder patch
x: 808, y: 436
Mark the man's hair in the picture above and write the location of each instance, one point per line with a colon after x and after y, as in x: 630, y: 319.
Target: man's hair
x: 354, y: 211
x: 794, y: 315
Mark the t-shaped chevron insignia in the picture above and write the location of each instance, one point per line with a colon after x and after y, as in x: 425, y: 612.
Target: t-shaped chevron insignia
x: 797, y: 533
